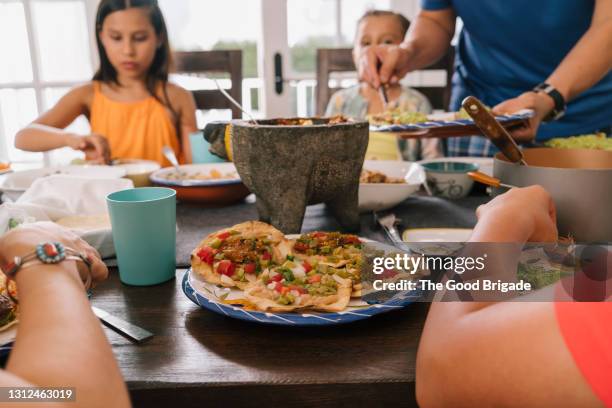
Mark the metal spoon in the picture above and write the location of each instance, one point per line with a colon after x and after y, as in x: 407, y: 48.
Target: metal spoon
x: 234, y: 102
x: 168, y: 153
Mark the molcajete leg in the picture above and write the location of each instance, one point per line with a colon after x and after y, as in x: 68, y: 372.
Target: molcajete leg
x: 344, y: 207
x: 287, y: 212
x: 263, y: 210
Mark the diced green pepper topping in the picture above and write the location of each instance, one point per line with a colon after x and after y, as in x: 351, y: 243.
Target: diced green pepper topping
x: 216, y: 243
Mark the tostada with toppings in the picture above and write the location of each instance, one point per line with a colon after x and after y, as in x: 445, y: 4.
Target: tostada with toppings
x: 237, y: 255
x: 335, y: 254
x: 296, y: 284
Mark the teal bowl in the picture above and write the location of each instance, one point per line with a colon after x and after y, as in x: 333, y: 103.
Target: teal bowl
x: 450, y: 179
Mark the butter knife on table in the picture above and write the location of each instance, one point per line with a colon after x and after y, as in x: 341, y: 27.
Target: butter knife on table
x: 127, y: 329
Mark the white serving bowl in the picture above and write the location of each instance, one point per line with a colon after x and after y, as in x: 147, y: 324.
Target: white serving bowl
x: 13, y: 185
x: 381, y: 196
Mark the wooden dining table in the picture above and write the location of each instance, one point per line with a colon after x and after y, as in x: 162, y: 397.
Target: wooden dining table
x: 198, y: 358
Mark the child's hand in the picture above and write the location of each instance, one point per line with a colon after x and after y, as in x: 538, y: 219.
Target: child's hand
x: 94, y: 146
x: 527, y: 213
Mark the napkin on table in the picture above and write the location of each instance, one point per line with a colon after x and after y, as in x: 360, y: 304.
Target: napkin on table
x: 58, y: 196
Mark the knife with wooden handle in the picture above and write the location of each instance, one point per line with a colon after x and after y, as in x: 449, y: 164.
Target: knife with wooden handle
x: 491, y: 128
x: 135, y: 333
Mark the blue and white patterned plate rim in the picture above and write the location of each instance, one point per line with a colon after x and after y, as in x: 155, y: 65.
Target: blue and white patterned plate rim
x: 207, y: 301
x: 520, y: 115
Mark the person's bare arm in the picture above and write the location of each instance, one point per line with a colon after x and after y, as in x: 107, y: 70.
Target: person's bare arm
x: 47, y: 131
x: 588, y: 62
x: 590, y: 59
x: 60, y: 342
x: 500, y: 354
x: 427, y: 41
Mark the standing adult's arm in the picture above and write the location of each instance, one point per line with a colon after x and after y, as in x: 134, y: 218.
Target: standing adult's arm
x: 427, y: 41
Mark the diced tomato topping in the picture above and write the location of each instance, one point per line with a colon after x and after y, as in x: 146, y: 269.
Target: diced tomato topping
x: 266, y: 256
x: 249, y: 268
x: 277, y: 278
x: 278, y: 287
x: 319, y: 234
x: 226, y: 267
x: 307, y: 267
x: 388, y: 273
x: 284, y: 290
x: 300, y: 246
x: 224, y: 235
x: 207, y: 255
x: 314, y: 279
x: 297, y: 288
x: 351, y: 239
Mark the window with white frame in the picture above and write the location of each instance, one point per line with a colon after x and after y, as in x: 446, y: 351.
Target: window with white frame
x: 46, y: 50
x: 195, y: 25
x: 48, y: 46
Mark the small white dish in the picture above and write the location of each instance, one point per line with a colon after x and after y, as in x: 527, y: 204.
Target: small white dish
x: 138, y: 170
x: 436, y: 241
x: 381, y: 196
x: 437, y: 234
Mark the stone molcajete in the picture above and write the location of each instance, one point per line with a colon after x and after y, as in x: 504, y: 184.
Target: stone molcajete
x: 291, y: 163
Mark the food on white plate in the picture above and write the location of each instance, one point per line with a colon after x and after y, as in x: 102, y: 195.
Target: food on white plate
x: 597, y: 141
x: 212, y: 175
x: 86, y: 222
x: 335, y: 253
x: 298, y: 285
x: 373, y: 176
x: 266, y: 271
x: 397, y: 117
x: 237, y: 255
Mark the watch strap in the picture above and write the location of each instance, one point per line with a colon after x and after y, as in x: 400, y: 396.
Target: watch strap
x: 559, y: 110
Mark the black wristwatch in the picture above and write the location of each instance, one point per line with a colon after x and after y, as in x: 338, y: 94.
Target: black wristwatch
x: 560, y: 106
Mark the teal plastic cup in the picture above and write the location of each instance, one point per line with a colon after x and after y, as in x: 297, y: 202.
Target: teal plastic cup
x: 144, y: 233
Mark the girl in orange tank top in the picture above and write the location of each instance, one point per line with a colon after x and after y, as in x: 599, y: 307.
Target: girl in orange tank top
x: 132, y: 109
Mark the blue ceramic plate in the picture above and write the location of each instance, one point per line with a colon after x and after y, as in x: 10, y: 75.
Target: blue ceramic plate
x: 210, y: 296
x: 446, y: 122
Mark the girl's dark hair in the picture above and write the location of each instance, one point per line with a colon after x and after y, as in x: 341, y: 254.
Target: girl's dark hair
x: 404, y: 22
x: 160, y: 67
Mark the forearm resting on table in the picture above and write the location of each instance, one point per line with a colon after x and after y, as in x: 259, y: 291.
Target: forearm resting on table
x: 429, y: 37
x: 60, y: 342
x: 41, y: 138
x: 485, y: 353
x: 588, y: 62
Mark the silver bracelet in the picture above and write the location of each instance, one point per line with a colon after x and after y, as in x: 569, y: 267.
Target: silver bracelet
x: 46, y: 253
